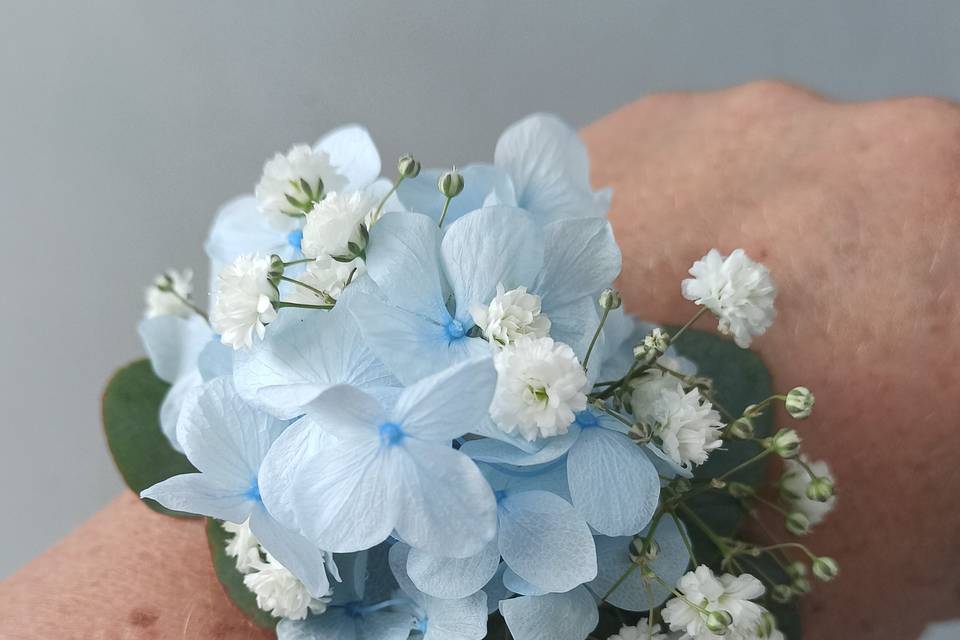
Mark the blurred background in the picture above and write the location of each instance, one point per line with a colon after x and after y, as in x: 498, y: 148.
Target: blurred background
x: 124, y: 124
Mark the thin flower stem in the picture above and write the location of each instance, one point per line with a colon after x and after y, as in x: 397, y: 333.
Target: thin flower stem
x: 610, y: 412
x: 297, y: 305
x: 756, y: 567
x: 703, y: 526
x: 685, y: 537
x: 633, y: 566
x: 810, y: 472
x: 682, y: 597
x: 301, y: 261
x: 791, y: 545
x: 743, y: 465
x: 393, y: 189
x: 443, y: 214
x: 770, y: 504
x: 197, y: 310
x: 690, y: 322
x: 319, y: 292
x: 596, y: 335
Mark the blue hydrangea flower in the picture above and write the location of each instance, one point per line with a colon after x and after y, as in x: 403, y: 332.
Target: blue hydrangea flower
x: 549, y: 169
x: 174, y: 345
x: 383, y: 468
x: 554, y: 616
x: 483, y: 185
x: 226, y: 440
x: 421, y: 321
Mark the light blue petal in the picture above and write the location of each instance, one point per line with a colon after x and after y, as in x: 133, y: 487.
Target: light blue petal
x: 438, y: 408
x: 453, y: 577
x: 348, y: 414
x: 403, y: 260
x: 173, y: 344
x: 502, y: 452
x: 385, y: 625
x: 555, y: 616
x: 632, y: 593
x: 616, y: 353
x: 398, y: 558
x: 172, y: 405
x: 613, y: 484
x: 515, y: 584
x: 301, y: 557
x: 411, y: 345
x: 458, y: 619
x: 215, y: 361
x: 333, y: 624
x: 549, y: 167
x: 342, y: 497
x: 197, y: 493
x: 545, y: 541
x: 483, y: 185
x: 574, y: 324
x: 496, y: 590
x: 664, y: 464
x: 942, y: 631
x: 353, y: 154
x: 223, y: 436
x: 581, y: 257
x: 490, y: 246
x: 278, y: 472
x: 550, y: 477
x: 444, y: 503
x: 304, y: 353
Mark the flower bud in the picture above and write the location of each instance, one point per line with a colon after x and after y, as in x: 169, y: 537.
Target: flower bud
x: 640, y: 433
x: 797, y: 523
x: 786, y: 443
x: 752, y: 411
x: 450, y: 183
x: 825, y: 568
x: 801, y: 586
x: 276, y: 270
x: 767, y: 625
x: 408, y: 166
x: 820, y: 489
x: 610, y: 299
x: 799, y: 403
x: 782, y: 593
x: 741, y: 429
x: 718, y: 622
x: 641, y: 554
x: 796, y: 569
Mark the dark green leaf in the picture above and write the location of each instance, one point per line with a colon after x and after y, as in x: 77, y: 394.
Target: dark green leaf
x: 131, y: 421
x: 232, y: 580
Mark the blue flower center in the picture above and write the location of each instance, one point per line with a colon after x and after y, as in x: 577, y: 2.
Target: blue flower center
x: 500, y: 495
x: 587, y: 420
x: 421, y: 626
x: 455, y: 330
x: 391, y: 434
x: 295, y: 238
x: 253, y: 492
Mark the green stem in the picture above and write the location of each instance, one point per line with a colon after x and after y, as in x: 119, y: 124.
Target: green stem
x: 791, y: 545
x: 685, y: 537
x: 319, y: 292
x: 297, y: 305
x: 633, y: 566
x: 743, y: 465
x: 393, y: 189
x: 596, y: 335
x: 707, y: 531
x: 772, y: 505
x: 690, y: 322
x: 302, y: 261
x: 443, y: 214
x: 197, y: 310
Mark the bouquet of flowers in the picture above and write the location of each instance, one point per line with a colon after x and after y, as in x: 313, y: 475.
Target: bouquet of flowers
x: 417, y: 408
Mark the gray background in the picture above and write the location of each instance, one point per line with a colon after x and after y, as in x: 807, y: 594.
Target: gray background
x: 124, y: 124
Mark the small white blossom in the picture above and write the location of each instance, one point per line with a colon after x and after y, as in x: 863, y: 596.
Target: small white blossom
x: 737, y: 290
x: 641, y: 631
x: 324, y: 274
x: 243, y: 546
x: 685, y: 424
x: 729, y: 593
x: 162, y: 296
x: 540, y: 386
x: 336, y: 222
x: 244, y: 301
x: 281, y: 183
x: 793, y: 488
x: 281, y: 593
x: 510, y: 316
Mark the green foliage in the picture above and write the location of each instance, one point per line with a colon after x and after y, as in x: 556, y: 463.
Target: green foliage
x: 131, y: 421
x: 231, y: 579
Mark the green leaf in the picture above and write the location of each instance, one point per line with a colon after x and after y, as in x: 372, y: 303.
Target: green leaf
x: 232, y: 580
x: 131, y: 421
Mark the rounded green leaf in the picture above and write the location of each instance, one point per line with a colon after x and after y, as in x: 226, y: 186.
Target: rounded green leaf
x: 131, y: 421
x: 232, y: 580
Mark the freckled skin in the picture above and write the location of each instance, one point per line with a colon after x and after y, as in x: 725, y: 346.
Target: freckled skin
x: 853, y: 207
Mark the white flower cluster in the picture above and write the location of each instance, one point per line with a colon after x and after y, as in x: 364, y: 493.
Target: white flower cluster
x: 170, y: 294
x: 293, y: 182
x: 244, y: 302
x: 643, y: 630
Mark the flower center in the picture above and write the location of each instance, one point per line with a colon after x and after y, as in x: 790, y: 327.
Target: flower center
x: 537, y: 393
x: 455, y: 330
x: 586, y: 419
x: 500, y: 495
x: 253, y: 492
x: 295, y: 238
x: 391, y: 434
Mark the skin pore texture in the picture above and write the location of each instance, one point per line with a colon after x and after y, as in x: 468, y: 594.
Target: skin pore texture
x: 855, y: 208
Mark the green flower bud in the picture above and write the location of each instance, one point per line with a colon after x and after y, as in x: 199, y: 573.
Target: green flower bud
x: 641, y: 554
x: 786, y: 443
x: 767, y: 625
x: 276, y: 270
x: 741, y: 429
x: 450, y: 183
x: 610, y: 299
x: 820, y: 489
x: 799, y: 403
x: 825, y: 568
x: 797, y: 523
x: 681, y: 485
x: 796, y: 569
x: 782, y: 593
x: 718, y: 622
x: 801, y: 586
x: 752, y: 411
x: 408, y: 166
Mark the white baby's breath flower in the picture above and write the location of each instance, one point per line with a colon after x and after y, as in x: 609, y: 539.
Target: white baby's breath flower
x: 244, y: 301
x: 324, y: 274
x: 737, y: 290
x: 511, y: 315
x: 641, y: 631
x: 793, y: 488
x: 243, y: 546
x: 165, y: 297
x: 281, y: 192
x: 683, y: 422
x: 729, y: 593
x: 281, y: 593
x: 335, y: 223
x: 540, y: 386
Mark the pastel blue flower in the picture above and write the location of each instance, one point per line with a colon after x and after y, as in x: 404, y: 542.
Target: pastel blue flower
x: 383, y: 468
x: 174, y: 345
x: 421, y: 322
x: 226, y: 440
x: 302, y: 355
x: 549, y: 168
x: 554, y: 616
x: 483, y: 185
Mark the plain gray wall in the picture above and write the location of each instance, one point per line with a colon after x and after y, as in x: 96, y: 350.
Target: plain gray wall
x: 124, y: 124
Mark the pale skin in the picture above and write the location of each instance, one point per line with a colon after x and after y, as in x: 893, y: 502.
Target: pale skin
x: 855, y: 209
